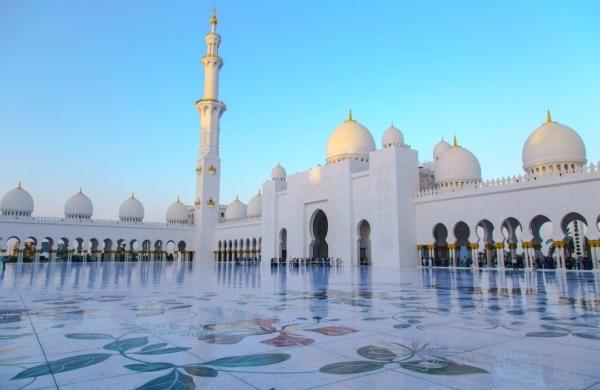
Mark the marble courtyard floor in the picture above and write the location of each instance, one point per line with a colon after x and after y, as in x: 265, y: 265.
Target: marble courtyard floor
x: 205, y: 325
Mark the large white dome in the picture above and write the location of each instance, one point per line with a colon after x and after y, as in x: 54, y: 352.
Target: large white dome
x: 553, y: 145
x: 177, y: 213
x: 278, y: 173
x: 392, y: 137
x: 79, y: 206
x: 131, y: 210
x: 457, y: 166
x: 254, y: 208
x: 17, y: 202
x: 439, y: 149
x: 350, y: 140
x: 235, y: 210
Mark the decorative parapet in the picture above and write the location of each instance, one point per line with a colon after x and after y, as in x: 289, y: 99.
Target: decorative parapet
x: 209, y: 100
x: 591, y: 171
x: 251, y: 220
x: 69, y: 221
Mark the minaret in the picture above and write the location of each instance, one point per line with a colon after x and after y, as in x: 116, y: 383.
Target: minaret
x: 208, y: 167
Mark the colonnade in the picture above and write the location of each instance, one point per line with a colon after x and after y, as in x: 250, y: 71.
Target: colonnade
x: 47, y: 249
x: 232, y: 250
x: 568, y: 242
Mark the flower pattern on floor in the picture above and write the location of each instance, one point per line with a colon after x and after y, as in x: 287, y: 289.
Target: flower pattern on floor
x: 152, y: 326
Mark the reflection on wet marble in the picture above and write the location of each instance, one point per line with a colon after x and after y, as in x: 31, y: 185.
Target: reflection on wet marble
x: 205, y: 325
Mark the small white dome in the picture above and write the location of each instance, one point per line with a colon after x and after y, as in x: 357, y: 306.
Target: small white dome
x: 350, y: 140
x: 79, y: 206
x: 17, y: 202
x: 235, y: 210
x: 439, y: 149
x: 457, y: 166
x: 177, y: 213
x: 392, y: 137
x: 278, y: 173
x: 553, y: 144
x: 131, y: 210
x: 254, y: 208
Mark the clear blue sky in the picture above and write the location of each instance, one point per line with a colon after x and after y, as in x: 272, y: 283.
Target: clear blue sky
x: 100, y: 94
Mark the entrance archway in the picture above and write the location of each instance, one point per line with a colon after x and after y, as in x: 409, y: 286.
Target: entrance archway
x: 283, y: 244
x: 463, y: 250
x: 512, y: 232
x: 577, y: 249
x: 485, y: 234
x: 319, y: 226
x: 440, y: 234
x: 541, y: 229
x: 364, y: 243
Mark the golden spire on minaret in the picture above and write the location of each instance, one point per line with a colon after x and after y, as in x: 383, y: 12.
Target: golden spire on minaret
x: 349, y: 115
x: 213, y: 20
x: 455, y: 142
x: 548, y: 116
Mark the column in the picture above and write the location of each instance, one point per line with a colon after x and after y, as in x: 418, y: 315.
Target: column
x: 474, y: 255
x: 559, y: 254
x: 36, y: 252
x: 489, y: 248
x: 526, y: 257
x: 500, y: 254
x: 594, y: 244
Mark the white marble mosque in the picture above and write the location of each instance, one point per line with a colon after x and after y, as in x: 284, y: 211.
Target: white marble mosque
x: 367, y: 204
x: 439, y: 279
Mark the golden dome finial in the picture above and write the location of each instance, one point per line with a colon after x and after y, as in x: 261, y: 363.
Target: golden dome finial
x: 132, y: 195
x: 177, y: 198
x: 19, y: 184
x: 80, y: 190
x: 548, y: 116
x: 350, y: 115
x: 213, y: 18
x: 455, y: 142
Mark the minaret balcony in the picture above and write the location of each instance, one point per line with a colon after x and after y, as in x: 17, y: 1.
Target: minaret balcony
x: 209, y: 100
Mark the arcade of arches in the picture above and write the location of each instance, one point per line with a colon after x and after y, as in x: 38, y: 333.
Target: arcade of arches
x: 542, y: 243
x: 235, y: 250
x: 319, y: 248
x: 32, y: 249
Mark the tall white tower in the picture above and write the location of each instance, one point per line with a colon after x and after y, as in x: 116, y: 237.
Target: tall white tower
x: 208, y: 167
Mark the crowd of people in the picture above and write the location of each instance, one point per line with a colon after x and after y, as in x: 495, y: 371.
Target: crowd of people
x: 306, y: 261
x: 516, y: 262
x: 243, y: 260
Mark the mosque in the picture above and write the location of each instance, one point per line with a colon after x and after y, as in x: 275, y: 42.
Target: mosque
x: 366, y: 205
